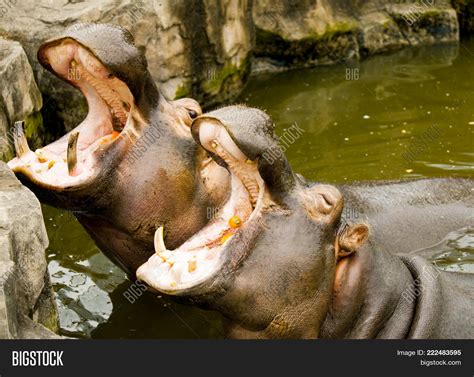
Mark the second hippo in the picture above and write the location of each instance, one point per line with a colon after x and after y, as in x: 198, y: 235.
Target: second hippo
x: 280, y: 261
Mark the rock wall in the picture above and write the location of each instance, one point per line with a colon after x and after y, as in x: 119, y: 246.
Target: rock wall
x: 465, y: 11
x: 204, y: 48
x: 27, y: 307
x: 312, y: 32
x: 20, y: 98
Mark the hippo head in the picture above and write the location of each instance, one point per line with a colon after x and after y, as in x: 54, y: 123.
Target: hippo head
x: 111, y: 72
x: 271, y: 251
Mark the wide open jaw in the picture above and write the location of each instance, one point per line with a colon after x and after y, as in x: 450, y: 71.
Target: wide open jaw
x: 72, y: 160
x: 202, y: 257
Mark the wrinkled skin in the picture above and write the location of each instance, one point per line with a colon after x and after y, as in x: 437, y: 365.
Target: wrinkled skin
x: 138, y: 167
x: 297, y: 269
x: 410, y: 215
x: 369, y: 294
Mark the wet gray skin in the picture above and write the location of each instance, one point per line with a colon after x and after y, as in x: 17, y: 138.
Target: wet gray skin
x: 131, y: 165
x: 295, y: 268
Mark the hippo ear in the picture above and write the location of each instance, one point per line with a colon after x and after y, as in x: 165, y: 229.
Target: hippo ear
x: 350, y: 239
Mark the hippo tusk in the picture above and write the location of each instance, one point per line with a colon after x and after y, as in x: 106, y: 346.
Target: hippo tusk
x: 19, y: 139
x: 159, y: 242
x: 72, y: 152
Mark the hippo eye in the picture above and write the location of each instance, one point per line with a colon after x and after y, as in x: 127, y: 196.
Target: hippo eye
x: 193, y: 114
x: 110, y: 76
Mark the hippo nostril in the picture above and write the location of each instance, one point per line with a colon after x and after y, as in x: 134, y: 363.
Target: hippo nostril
x: 328, y: 200
x: 324, y: 205
x: 330, y: 194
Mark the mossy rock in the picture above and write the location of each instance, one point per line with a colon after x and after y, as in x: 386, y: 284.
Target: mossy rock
x: 182, y: 91
x: 219, y: 86
x: 46, y: 310
x: 465, y: 11
x: 337, y: 43
x: 228, y: 76
x: 427, y: 25
x: 34, y: 130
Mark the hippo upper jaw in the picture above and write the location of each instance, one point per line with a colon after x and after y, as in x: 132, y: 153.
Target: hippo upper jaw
x: 111, y: 72
x: 73, y: 161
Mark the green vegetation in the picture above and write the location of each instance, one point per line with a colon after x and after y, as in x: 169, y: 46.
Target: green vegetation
x: 34, y: 127
x: 182, y: 91
x: 333, y: 43
x: 337, y: 29
x: 219, y: 83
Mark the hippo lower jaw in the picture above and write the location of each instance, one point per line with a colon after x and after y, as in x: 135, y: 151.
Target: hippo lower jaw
x: 72, y: 161
x: 202, y: 258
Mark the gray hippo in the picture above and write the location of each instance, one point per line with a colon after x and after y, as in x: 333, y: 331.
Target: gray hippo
x: 131, y: 165
x: 280, y: 261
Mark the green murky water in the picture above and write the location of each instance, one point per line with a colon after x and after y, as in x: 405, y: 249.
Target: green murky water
x: 404, y: 115
x: 95, y: 299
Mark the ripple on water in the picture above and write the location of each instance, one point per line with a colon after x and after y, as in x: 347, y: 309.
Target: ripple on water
x: 81, y: 303
x: 455, y: 252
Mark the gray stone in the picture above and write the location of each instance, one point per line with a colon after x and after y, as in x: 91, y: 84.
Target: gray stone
x: 304, y: 33
x: 33, y: 330
x: 380, y: 33
x: 25, y: 289
x: 421, y: 25
x: 322, y: 32
x: 19, y: 98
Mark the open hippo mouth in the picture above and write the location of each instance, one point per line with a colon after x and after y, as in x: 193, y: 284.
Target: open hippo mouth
x: 202, y: 257
x: 73, y: 160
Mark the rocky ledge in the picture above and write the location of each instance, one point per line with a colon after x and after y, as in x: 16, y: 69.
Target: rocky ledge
x: 294, y: 34
x: 27, y: 306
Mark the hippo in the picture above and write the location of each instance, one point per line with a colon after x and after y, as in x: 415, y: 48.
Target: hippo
x: 279, y: 260
x: 131, y: 165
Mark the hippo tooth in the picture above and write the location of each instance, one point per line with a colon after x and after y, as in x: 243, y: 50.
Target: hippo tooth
x: 72, y: 152
x: 19, y: 139
x: 177, y: 271
x: 44, y: 155
x: 192, y: 265
x: 159, y: 242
